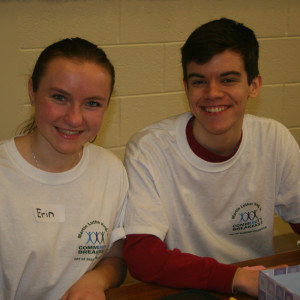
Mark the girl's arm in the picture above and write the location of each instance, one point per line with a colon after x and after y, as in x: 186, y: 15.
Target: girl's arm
x: 109, y: 272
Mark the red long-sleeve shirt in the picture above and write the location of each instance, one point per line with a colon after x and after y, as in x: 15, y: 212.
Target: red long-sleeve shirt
x: 149, y: 260
x: 295, y: 227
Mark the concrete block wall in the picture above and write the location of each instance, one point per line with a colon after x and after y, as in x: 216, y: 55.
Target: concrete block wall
x: 143, y: 40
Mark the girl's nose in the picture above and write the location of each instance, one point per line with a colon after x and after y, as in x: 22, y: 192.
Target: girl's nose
x: 73, y: 116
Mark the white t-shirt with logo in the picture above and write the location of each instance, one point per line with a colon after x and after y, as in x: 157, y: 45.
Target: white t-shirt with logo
x: 54, y: 227
x: 220, y: 210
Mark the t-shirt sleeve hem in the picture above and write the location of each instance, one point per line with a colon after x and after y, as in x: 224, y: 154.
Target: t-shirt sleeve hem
x: 117, y: 234
x: 145, y: 230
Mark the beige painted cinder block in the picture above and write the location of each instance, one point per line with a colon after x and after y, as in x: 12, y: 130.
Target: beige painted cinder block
x: 109, y: 134
x: 160, y: 21
x: 296, y: 133
x: 143, y: 40
x: 119, y: 152
x: 26, y: 61
x: 9, y: 84
x: 138, y: 112
x: 293, y: 18
x: 279, y: 60
x: 173, y: 75
x: 39, y: 23
x: 268, y: 104
x: 168, y: 21
x: 139, y: 68
x: 279, y: 102
x: 285, y: 239
x: 15, y: 104
x: 291, y: 105
x: 258, y: 15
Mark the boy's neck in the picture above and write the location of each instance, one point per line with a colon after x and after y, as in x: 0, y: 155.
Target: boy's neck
x: 211, y: 154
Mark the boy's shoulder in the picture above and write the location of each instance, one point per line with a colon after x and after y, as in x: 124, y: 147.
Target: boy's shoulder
x: 164, y: 128
x: 263, y: 122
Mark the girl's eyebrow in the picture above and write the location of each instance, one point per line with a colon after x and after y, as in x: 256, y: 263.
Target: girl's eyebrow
x: 59, y: 90
x: 100, y: 98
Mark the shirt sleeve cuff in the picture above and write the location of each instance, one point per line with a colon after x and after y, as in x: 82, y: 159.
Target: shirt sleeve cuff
x: 222, y: 278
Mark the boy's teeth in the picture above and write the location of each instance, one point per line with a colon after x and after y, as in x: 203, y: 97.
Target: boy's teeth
x: 215, y: 109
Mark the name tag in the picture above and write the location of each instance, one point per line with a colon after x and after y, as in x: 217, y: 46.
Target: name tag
x: 49, y: 213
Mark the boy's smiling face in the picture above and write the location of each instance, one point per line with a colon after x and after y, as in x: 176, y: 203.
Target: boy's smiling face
x: 217, y: 92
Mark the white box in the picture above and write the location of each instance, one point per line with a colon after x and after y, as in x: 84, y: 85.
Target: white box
x: 280, y: 284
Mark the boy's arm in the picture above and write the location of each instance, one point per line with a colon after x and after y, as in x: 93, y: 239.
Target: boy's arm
x: 295, y: 227
x: 109, y: 272
x: 149, y: 260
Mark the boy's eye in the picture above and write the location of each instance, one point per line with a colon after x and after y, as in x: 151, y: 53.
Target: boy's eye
x: 229, y: 80
x: 59, y: 97
x: 198, y: 82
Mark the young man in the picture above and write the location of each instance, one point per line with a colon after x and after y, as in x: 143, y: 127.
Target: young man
x: 204, y: 185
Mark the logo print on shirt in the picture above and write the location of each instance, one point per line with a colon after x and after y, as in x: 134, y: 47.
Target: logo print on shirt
x: 247, y: 219
x: 93, y: 243
x: 95, y: 239
x: 249, y: 215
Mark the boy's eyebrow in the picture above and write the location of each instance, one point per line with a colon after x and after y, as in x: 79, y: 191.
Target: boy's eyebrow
x: 231, y: 73
x: 236, y: 73
x: 196, y: 75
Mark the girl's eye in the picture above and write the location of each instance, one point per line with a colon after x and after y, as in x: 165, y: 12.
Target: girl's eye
x: 59, y: 97
x: 93, y: 104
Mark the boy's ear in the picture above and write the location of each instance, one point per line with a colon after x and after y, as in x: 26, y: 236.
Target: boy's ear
x: 31, y: 93
x: 255, y: 86
x: 185, y: 84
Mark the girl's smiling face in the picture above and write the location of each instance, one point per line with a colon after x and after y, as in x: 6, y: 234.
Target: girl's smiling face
x: 70, y: 103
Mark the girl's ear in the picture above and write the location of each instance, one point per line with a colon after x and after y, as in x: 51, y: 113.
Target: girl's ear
x: 255, y: 86
x: 31, y: 93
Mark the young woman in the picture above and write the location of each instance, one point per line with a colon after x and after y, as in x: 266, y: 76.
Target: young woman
x: 61, y: 197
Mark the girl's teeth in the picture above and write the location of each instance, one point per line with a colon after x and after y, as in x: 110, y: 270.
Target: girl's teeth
x: 68, y: 132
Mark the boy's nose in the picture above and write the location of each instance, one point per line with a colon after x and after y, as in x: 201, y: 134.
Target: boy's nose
x: 213, y: 91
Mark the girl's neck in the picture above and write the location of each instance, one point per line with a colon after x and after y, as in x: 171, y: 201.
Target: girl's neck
x: 45, y: 157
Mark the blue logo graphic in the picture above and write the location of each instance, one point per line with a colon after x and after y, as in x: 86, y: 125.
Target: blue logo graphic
x: 248, y: 216
x: 93, y: 237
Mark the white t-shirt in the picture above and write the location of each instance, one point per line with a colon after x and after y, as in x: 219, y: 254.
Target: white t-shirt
x: 54, y: 227
x: 219, y: 210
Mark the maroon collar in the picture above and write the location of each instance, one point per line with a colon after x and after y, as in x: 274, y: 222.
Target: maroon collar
x: 202, y: 152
